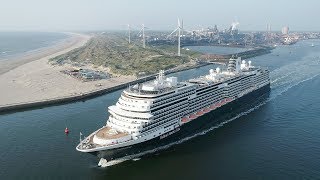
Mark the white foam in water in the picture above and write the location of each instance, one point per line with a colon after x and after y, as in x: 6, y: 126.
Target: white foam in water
x: 282, y: 79
x: 136, y: 159
x: 288, y: 76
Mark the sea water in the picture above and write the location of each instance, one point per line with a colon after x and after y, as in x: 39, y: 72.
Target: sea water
x: 14, y: 44
x: 278, y: 139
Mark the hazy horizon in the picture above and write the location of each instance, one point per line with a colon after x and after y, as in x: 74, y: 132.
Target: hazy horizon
x: 81, y: 15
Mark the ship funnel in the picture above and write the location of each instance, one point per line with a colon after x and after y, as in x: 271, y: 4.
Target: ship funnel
x: 234, y: 65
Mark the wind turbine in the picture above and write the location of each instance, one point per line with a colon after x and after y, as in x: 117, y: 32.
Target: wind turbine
x: 129, y: 32
x: 143, y: 36
x: 179, y: 28
x: 182, y: 27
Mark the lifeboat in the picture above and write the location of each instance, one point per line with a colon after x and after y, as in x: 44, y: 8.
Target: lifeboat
x: 206, y: 110
x: 185, y: 119
x: 212, y: 107
x: 192, y: 116
x: 199, y: 113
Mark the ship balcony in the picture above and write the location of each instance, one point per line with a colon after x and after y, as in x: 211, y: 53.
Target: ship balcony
x: 116, y: 111
x: 136, y: 107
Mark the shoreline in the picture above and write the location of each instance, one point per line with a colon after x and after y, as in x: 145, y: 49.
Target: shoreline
x: 15, y: 61
x: 87, y: 95
x: 37, y: 83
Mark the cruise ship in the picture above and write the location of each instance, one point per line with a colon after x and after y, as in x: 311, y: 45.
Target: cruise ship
x: 156, y: 113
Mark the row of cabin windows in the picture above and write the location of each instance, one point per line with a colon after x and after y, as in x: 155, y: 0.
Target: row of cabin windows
x: 215, y: 86
x: 209, y: 94
x: 202, y: 105
x: 261, y: 77
x: 131, y: 117
x: 128, y: 105
x: 171, y: 105
x: 216, y: 92
x: 244, y: 87
x: 179, y: 110
x: 168, y: 113
x: 208, y: 90
x: 131, y: 126
x: 172, y: 118
x: 232, y: 81
x: 234, y: 92
x: 165, y: 107
x: 172, y: 95
x: 155, y: 125
x: 172, y: 99
x: 210, y: 100
x: 132, y: 100
x: 127, y: 121
x: 173, y: 115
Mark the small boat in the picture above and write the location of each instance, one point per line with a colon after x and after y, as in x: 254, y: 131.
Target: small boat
x: 312, y: 45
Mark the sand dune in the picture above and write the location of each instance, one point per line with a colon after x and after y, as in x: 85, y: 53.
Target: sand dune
x: 32, y: 79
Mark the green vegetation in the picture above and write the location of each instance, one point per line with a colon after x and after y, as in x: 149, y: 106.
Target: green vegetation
x: 112, y: 50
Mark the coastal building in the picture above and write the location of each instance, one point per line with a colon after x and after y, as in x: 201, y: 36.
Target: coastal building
x: 285, y: 30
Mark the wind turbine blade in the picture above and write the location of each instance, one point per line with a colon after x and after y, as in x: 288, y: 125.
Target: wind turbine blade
x: 182, y: 24
x: 173, y: 31
x: 140, y: 31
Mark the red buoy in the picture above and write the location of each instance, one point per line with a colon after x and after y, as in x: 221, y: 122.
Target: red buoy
x: 66, y: 131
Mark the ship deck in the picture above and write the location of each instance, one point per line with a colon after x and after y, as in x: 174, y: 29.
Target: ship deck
x: 109, y: 133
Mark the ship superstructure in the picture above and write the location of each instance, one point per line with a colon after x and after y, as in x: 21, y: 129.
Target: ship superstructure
x: 158, y: 109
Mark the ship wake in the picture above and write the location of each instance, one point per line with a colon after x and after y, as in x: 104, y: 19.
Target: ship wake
x: 282, y: 79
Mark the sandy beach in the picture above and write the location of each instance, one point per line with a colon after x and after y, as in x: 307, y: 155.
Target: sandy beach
x: 33, y: 79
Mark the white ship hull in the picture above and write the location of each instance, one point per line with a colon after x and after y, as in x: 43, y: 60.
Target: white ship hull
x: 199, y: 124
x: 157, y: 113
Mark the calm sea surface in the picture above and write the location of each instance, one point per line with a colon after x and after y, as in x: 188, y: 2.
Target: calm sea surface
x: 277, y: 140
x: 17, y: 43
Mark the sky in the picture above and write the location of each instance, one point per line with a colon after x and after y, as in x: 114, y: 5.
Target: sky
x: 88, y: 15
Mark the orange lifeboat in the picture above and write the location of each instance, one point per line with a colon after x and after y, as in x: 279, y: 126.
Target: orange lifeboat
x: 199, y: 113
x: 192, y: 116
x: 212, y: 107
x: 185, y: 119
